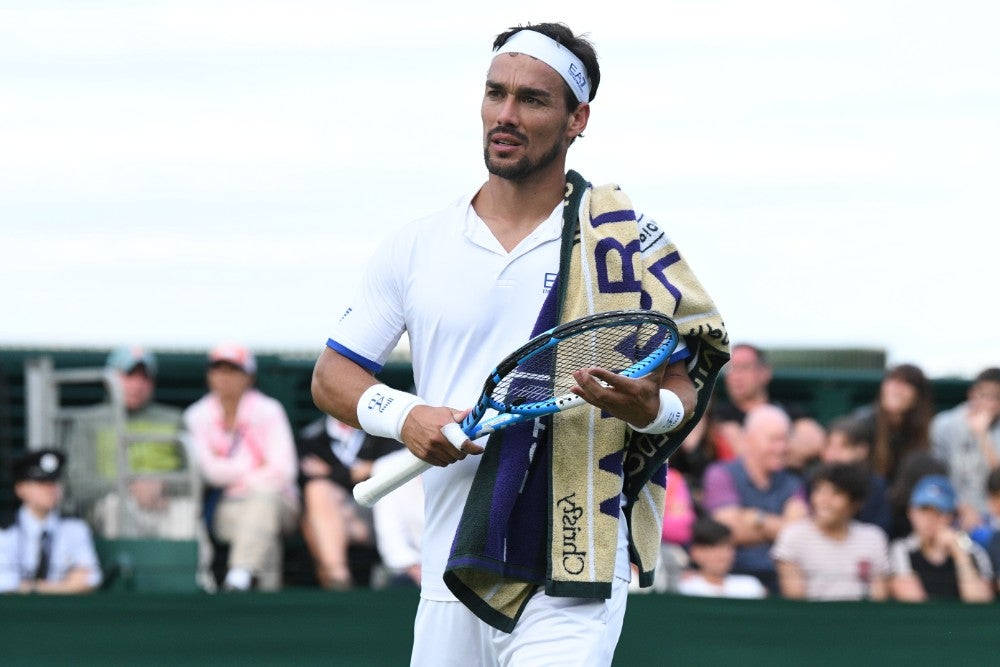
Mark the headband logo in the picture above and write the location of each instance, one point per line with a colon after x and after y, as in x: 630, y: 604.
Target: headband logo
x: 578, y: 76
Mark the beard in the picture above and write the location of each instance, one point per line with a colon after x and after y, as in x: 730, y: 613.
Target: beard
x: 523, y: 168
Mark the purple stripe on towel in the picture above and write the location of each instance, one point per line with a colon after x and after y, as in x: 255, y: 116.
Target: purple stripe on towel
x: 612, y: 216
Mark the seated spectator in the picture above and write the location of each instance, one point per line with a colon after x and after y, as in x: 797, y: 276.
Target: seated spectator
x: 938, y: 562
x: 696, y: 453
x: 830, y: 556
x: 399, y: 526
x: 333, y: 457
x: 754, y: 495
x: 897, y: 424
x: 967, y: 439
x: 678, y: 517
x: 151, y: 509
x: 914, y: 467
x: 243, y: 444
x: 747, y: 377
x: 845, y: 444
x: 43, y: 552
x: 988, y: 535
x: 713, y: 551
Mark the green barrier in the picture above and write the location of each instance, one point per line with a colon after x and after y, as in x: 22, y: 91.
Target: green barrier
x: 375, y: 628
x: 149, y: 566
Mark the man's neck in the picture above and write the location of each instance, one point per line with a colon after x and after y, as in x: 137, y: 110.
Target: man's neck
x: 748, y: 403
x: 37, y: 512
x: 514, y: 209
x: 714, y: 579
x: 835, y: 532
x: 758, y: 474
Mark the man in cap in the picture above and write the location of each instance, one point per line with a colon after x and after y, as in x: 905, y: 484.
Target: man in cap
x: 936, y: 561
x: 153, y: 431
x: 42, y: 552
x: 244, y: 445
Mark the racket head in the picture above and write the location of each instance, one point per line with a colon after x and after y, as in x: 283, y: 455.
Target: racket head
x: 533, y: 378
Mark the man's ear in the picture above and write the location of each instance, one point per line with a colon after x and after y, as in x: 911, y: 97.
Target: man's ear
x: 578, y: 120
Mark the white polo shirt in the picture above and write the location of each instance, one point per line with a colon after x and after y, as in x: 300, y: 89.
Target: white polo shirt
x: 466, y: 303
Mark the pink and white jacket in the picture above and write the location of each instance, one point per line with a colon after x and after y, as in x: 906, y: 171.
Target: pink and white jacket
x: 258, y: 455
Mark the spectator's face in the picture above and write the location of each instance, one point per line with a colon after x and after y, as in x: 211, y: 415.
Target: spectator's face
x: 227, y: 382
x: 714, y: 560
x: 39, y: 497
x: 985, y: 397
x: 805, y: 443
x: 832, y: 508
x: 993, y: 502
x: 746, y: 377
x: 137, y: 387
x: 839, y: 449
x: 929, y: 521
x: 767, y: 443
x: 897, y: 396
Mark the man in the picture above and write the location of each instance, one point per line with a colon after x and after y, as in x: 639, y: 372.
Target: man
x: 441, y: 280
x: 153, y: 430
x: 967, y: 439
x: 754, y: 495
x: 243, y: 444
x: 845, y: 443
x: 42, y: 552
x: 937, y: 562
x: 830, y: 556
x: 747, y: 377
x: 713, y: 551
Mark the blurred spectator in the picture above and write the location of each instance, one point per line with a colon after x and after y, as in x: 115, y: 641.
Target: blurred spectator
x: 42, y: 552
x: 938, y: 562
x: 399, y: 526
x: 678, y: 517
x: 914, y: 467
x: 696, y: 453
x: 333, y: 457
x: 897, y: 424
x: 243, y: 444
x: 805, y: 447
x: 747, y: 376
x: 989, y: 533
x: 830, y: 556
x: 150, y: 510
x: 967, y: 439
x: 754, y: 495
x: 713, y: 551
x: 845, y: 444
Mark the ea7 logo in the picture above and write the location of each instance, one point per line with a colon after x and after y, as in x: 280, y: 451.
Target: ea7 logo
x: 578, y: 76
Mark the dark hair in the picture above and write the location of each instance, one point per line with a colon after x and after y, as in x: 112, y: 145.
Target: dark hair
x: 993, y: 482
x: 757, y: 352
x: 989, y: 375
x: 849, y: 478
x: 854, y: 431
x: 709, y: 533
x: 893, y: 442
x: 578, y: 46
x: 911, y: 469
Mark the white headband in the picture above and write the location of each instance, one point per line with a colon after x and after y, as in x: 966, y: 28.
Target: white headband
x: 555, y: 55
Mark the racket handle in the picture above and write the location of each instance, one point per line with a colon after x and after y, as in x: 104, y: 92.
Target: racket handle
x: 390, y: 478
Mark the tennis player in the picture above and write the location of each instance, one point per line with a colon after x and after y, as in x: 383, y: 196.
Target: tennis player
x: 467, y: 284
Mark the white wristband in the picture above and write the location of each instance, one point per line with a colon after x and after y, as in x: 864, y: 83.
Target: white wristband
x: 669, y: 417
x: 382, y: 410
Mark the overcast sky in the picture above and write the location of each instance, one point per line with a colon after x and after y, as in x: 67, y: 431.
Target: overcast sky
x: 175, y: 173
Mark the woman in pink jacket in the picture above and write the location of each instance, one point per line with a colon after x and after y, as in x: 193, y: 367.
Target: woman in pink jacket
x: 243, y: 443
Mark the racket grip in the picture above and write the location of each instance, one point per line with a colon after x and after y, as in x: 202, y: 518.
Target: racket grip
x: 370, y: 491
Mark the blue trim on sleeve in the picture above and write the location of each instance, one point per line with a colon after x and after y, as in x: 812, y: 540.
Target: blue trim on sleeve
x: 364, y: 362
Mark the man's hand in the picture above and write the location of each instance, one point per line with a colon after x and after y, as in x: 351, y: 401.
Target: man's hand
x: 980, y: 421
x: 422, y: 435
x: 633, y: 400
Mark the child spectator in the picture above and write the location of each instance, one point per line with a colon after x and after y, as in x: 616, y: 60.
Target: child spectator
x: 830, y: 556
x: 243, y: 443
x: 897, y: 424
x: 937, y: 562
x: 713, y: 551
x: 845, y: 443
x: 967, y: 439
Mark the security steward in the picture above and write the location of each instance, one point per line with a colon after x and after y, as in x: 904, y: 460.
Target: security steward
x: 42, y: 552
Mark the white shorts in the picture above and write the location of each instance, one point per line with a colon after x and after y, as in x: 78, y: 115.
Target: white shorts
x: 577, y: 632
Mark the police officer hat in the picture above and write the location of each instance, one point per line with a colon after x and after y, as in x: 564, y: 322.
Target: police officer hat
x: 44, y: 465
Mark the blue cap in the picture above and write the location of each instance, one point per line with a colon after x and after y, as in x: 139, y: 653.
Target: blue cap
x: 126, y: 358
x: 934, y: 491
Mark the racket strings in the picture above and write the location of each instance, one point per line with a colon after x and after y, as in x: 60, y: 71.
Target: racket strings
x: 549, y: 372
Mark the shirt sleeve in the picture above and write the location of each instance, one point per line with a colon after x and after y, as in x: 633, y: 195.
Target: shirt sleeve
x: 787, y: 546
x: 940, y: 445
x: 881, y: 565
x: 373, y: 321
x: 10, y: 572
x: 83, y: 553
x: 899, y: 559
x: 720, y: 491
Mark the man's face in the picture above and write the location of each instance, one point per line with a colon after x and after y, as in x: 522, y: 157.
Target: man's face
x: 40, y: 497
x: 745, y: 376
x: 985, y: 397
x: 227, y: 382
x: 767, y: 443
x: 137, y: 387
x: 929, y: 521
x: 526, y: 126
x: 832, y: 508
x: 714, y: 560
x: 839, y: 449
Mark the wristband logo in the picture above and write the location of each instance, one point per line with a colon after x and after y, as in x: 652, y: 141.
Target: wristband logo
x: 379, y: 403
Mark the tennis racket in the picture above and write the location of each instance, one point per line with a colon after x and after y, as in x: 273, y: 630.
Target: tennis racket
x: 535, y: 380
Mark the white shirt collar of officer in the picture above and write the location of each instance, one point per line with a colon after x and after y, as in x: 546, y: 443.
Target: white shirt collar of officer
x: 32, y: 525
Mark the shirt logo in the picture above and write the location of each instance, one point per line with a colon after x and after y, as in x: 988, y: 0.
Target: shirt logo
x: 548, y: 281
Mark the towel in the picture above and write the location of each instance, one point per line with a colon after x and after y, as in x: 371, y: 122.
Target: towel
x: 545, y: 503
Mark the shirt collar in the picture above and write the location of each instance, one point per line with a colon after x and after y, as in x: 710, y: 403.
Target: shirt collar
x: 478, y: 233
x: 32, y: 525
